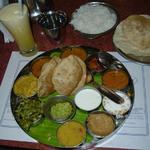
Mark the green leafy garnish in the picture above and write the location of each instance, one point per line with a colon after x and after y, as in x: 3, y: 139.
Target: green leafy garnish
x: 55, y: 54
x: 98, y: 78
x: 28, y: 112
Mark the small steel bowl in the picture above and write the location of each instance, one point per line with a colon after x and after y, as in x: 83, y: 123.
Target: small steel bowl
x: 55, y: 101
x: 88, y: 99
x: 73, y: 129
x: 102, y: 126
x: 118, y: 110
x: 36, y: 67
x: 121, y: 82
x: 99, y: 62
x: 53, y: 23
x: 110, y: 8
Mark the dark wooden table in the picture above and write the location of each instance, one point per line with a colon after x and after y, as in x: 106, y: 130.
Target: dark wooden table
x: 124, y: 7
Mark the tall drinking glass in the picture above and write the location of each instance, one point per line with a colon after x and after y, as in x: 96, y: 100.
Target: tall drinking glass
x: 16, y: 19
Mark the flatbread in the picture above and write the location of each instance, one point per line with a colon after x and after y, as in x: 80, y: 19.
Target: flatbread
x: 45, y: 85
x: 67, y: 75
x: 132, y: 35
x: 83, y: 77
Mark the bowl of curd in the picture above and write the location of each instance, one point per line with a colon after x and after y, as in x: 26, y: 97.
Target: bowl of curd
x: 88, y: 99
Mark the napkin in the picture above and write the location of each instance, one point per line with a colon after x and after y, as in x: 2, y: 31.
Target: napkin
x: 7, y: 36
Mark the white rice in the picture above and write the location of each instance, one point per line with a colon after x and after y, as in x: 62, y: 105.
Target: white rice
x: 93, y: 19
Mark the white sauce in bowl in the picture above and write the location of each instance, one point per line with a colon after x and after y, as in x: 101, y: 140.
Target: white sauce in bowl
x: 88, y: 99
x: 117, y: 109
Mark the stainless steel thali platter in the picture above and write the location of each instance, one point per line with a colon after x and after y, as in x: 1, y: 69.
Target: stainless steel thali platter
x: 28, y: 110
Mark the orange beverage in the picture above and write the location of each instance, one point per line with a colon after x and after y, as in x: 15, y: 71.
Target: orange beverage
x: 16, y: 19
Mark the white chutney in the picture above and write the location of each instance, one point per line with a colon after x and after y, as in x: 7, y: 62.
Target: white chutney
x: 88, y: 99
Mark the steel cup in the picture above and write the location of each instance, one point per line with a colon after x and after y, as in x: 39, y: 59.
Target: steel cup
x: 53, y: 24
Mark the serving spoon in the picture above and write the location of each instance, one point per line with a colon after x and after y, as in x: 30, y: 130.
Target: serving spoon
x: 111, y: 94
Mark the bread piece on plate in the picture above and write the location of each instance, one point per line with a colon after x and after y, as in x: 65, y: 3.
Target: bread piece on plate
x: 45, y: 85
x: 83, y: 77
x: 132, y: 35
x: 67, y: 75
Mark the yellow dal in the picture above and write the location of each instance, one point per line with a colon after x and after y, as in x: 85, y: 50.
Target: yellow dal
x: 25, y: 86
x: 71, y: 133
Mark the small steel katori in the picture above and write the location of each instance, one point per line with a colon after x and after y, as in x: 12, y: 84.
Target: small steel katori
x: 53, y: 24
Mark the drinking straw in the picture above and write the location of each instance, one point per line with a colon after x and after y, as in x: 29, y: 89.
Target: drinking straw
x: 21, y: 6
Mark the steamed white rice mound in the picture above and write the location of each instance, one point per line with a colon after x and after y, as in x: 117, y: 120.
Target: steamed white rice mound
x: 93, y: 19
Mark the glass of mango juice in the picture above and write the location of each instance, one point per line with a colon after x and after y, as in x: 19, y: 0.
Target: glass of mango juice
x: 16, y: 19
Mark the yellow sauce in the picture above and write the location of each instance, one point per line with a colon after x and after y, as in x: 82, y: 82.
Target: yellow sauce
x: 71, y: 133
x: 25, y: 86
